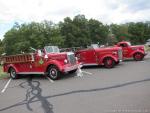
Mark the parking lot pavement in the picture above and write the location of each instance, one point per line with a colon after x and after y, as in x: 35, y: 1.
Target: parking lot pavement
x: 123, y: 89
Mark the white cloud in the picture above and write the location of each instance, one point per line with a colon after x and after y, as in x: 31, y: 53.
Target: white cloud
x: 107, y: 11
x: 55, y: 10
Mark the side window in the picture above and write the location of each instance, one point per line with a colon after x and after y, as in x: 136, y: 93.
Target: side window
x: 123, y: 45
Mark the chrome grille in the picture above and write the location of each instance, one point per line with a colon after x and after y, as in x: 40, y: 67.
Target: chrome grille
x: 71, y: 58
x: 120, y: 54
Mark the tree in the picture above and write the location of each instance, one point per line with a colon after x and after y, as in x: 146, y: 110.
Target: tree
x: 37, y: 35
x: 98, y: 31
x: 139, y: 31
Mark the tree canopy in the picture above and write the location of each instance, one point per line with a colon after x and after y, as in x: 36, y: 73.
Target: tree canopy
x: 75, y: 32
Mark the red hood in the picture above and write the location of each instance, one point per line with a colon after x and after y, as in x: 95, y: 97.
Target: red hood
x: 57, y: 56
x: 138, y: 46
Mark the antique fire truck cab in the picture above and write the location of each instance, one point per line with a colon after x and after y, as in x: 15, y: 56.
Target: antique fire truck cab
x: 48, y: 61
x: 137, y: 52
x: 94, y: 55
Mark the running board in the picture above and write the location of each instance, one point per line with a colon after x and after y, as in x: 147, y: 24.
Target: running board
x: 26, y: 73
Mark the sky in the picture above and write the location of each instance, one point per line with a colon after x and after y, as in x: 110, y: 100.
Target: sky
x: 106, y: 11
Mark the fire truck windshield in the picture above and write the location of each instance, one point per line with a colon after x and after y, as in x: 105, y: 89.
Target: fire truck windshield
x: 52, y: 49
x: 95, y: 46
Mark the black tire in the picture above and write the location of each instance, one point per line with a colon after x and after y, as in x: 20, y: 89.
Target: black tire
x: 73, y: 71
x: 53, y: 72
x: 138, y: 56
x: 109, y: 62
x: 13, y: 73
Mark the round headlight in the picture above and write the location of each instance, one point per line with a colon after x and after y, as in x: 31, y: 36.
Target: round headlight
x: 65, y: 61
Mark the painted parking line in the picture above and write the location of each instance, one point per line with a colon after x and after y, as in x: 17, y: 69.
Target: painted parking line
x: 49, y: 79
x: 87, y: 72
x: 5, y: 87
x: 80, y: 72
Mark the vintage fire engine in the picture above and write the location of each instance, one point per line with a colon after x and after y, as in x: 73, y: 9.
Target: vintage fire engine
x: 46, y: 61
x: 94, y: 55
x: 137, y: 52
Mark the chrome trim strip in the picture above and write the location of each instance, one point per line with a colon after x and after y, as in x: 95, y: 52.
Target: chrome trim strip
x: 67, y: 69
x: 92, y: 64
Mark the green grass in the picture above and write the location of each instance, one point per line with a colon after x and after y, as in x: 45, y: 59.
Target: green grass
x: 147, y: 48
x: 2, y: 74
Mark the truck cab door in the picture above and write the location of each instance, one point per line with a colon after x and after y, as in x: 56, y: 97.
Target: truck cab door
x: 89, y: 56
x: 125, y: 49
x: 39, y: 61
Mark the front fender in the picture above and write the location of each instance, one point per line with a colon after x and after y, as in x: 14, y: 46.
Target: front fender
x: 137, y: 51
x: 111, y: 56
x: 54, y: 62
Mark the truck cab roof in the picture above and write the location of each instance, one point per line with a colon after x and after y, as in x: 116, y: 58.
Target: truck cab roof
x: 125, y: 43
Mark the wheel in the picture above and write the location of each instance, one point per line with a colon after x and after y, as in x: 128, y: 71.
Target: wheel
x: 109, y: 62
x: 138, y: 56
x: 13, y: 74
x: 73, y: 71
x: 53, y: 72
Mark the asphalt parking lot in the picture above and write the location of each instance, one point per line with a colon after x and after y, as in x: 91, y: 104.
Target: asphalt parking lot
x: 123, y: 89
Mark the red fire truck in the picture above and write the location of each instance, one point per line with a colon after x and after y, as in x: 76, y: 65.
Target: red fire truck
x: 136, y: 52
x: 46, y: 61
x: 94, y: 55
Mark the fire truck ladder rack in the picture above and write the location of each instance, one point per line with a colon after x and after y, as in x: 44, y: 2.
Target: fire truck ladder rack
x: 20, y: 58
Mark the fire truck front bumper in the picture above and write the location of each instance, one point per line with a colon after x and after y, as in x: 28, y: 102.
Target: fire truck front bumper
x: 70, y: 68
x: 120, y: 60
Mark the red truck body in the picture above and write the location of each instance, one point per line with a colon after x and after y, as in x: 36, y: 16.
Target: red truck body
x: 47, y: 61
x: 100, y: 56
x: 137, y: 52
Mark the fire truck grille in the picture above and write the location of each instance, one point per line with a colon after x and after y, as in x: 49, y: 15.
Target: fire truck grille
x: 72, y: 59
x: 120, y: 54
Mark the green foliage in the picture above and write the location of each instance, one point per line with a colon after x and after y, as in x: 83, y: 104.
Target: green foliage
x: 82, y: 32
x: 1, y: 47
x: 75, y: 32
x: 35, y: 35
x: 139, y: 32
x: 2, y: 74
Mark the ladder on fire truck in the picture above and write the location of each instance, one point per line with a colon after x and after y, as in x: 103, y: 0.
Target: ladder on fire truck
x: 19, y: 58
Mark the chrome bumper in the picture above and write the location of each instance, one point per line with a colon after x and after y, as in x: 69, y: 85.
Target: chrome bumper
x: 120, y: 60
x: 70, y: 68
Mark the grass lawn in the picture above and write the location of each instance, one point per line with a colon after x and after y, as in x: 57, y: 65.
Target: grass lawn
x: 147, y: 48
x: 2, y: 74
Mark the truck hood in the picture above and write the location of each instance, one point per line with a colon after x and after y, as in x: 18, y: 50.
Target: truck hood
x: 138, y: 46
x: 57, y: 56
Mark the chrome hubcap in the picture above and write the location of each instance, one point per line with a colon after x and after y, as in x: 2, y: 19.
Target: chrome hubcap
x: 53, y: 72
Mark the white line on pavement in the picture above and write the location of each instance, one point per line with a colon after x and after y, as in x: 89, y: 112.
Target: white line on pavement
x: 87, y: 72
x: 6, y: 86
x: 49, y: 79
